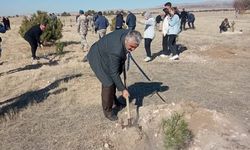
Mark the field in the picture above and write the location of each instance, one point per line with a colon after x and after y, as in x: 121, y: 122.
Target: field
x: 57, y: 101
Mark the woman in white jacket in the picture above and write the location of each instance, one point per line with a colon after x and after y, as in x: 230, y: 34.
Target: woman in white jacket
x: 149, y: 33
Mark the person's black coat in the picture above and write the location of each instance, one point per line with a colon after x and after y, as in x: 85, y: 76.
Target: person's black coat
x: 33, y: 34
x: 107, y: 58
x: 183, y: 15
x: 131, y: 20
x: 119, y: 21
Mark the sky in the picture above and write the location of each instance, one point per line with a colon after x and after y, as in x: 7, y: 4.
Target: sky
x: 23, y: 7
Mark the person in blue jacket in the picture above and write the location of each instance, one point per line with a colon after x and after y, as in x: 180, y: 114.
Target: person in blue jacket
x: 119, y: 21
x: 131, y: 21
x: 101, y: 25
x: 173, y: 31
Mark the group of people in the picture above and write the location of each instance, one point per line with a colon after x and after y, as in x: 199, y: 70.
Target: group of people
x: 170, y: 29
x: 186, y: 18
x: 5, y: 25
x: 107, y: 56
x: 100, y: 23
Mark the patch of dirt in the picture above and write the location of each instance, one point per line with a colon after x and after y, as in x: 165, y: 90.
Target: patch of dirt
x: 212, y: 130
x: 220, y: 52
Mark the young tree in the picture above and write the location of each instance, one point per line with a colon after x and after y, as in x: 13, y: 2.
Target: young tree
x: 53, y: 31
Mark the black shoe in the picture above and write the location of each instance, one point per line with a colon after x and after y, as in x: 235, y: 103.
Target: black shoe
x: 112, y: 117
x: 35, y: 58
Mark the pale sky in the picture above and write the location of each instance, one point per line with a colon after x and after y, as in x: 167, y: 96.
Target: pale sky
x: 22, y: 7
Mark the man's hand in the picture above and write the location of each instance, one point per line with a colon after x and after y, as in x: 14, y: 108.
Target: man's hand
x: 125, y: 93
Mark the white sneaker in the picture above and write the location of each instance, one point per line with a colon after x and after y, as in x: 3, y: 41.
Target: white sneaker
x: 163, y: 56
x: 147, y: 59
x: 175, y: 57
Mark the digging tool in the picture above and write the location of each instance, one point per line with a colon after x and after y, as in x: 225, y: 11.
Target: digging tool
x: 127, y: 98
x: 128, y: 111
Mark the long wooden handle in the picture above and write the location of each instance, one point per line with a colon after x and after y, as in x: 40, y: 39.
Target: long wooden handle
x: 128, y: 110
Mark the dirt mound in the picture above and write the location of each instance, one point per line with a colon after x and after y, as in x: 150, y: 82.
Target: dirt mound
x: 211, y: 129
x: 220, y: 52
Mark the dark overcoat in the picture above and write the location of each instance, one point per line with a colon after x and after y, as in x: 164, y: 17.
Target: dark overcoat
x: 107, y: 58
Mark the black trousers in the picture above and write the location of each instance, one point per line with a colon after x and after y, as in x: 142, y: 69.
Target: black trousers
x: 165, y: 45
x: 223, y: 28
x: 172, y: 44
x: 147, y: 45
x: 33, y: 45
x: 191, y: 24
x: 108, y: 99
x: 183, y: 24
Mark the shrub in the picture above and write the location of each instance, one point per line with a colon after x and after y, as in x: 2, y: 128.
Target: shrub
x: 53, y: 31
x: 176, y: 132
x: 59, y: 48
x: 112, y: 25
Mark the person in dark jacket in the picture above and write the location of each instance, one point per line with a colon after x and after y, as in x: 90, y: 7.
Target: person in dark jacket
x: 107, y: 57
x: 224, y: 25
x: 32, y: 36
x: 7, y: 23
x: 101, y: 25
x: 131, y: 21
x: 2, y: 28
x: 191, y: 19
x: 183, y: 16
x: 119, y: 21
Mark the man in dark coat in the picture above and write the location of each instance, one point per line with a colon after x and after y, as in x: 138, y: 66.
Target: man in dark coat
x: 119, y: 21
x: 33, y: 37
x: 131, y: 21
x: 191, y: 19
x: 107, y: 58
x: 224, y: 25
x: 183, y: 16
x: 101, y: 24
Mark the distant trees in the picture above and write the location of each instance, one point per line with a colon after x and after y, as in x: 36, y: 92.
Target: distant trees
x: 241, y: 5
x: 90, y: 12
x: 105, y: 13
x: 65, y: 14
